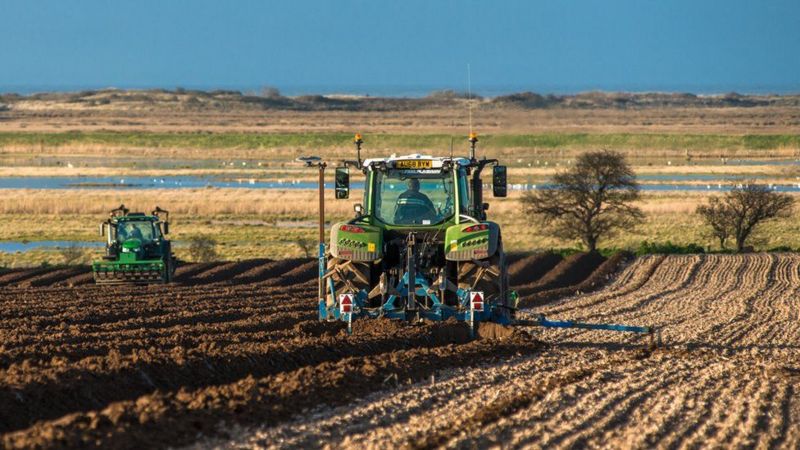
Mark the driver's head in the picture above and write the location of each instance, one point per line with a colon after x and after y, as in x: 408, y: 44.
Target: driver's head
x: 413, y: 184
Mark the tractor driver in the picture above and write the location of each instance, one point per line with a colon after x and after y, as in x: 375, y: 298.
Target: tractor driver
x: 413, y: 206
x: 129, y: 231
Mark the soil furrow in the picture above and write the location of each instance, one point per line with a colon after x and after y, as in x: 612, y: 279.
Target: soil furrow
x: 174, y: 418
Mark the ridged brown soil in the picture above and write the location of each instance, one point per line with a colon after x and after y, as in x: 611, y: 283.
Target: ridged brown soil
x: 14, y: 277
x: 52, y: 277
x: 532, y: 267
x: 569, y: 271
x: 240, y: 343
x: 728, y: 377
x: 597, y: 278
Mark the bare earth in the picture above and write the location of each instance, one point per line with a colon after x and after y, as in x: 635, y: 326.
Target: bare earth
x: 727, y: 378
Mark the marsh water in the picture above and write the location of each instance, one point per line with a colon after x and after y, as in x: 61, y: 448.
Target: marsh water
x: 140, y: 182
x: 24, y: 246
x: 661, y: 182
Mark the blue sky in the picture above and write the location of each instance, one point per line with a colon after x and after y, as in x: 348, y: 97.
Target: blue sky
x: 402, y: 46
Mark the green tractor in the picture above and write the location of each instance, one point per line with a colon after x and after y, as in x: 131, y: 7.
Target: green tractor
x: 420, y: 245
x: 136, y: 248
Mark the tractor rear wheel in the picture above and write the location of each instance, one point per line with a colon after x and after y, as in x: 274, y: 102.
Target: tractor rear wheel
x: 489, y: 276
x: 348, y: 277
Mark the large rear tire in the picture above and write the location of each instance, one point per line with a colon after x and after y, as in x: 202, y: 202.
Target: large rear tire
x: 489, y: 276
x: 348, y: 277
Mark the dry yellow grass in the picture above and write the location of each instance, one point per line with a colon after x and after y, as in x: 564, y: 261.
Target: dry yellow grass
x: 268, y: 203
x: 262, y: 223
x: 494, y: 120
x: 197, y: 202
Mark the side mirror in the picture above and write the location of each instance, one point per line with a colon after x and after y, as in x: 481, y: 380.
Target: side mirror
x: 499, y: 181
x: 166, y: 228
x: 342, y: 183
x: 103, y: 229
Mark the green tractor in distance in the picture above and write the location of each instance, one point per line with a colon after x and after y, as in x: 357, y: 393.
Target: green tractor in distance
x: 136, y: 249
x: 420, y: 245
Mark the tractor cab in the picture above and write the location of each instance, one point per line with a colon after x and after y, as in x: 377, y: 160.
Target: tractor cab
x: 416, y: 190
x: 136, y: 227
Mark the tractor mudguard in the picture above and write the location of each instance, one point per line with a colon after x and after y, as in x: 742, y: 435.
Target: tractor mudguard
x: 468, y: 241
x: 356, y: 242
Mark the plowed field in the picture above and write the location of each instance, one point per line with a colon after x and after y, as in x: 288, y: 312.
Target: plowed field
x: 232, y: 354
x: 729, y: 376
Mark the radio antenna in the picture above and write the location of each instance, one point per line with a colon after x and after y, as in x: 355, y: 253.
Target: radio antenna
x: 473, y: 138
x: 469, y: 95
x: 451, y: 148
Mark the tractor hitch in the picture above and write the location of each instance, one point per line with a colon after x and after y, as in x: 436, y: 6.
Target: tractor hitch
x: 541, y: 321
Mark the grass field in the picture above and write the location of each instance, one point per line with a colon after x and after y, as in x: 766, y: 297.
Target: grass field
x: 668, y: 141
x: 161, y: 134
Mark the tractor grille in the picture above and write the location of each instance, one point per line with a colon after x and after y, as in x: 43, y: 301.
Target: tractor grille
x: 350, y: 243
x: 475, y: 242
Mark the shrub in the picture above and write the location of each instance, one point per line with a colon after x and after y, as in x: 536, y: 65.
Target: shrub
x: 306, y: 246
x: 781, y: 248
x: 71, y: 254
x: 203, y: 249
x: 668, y: 248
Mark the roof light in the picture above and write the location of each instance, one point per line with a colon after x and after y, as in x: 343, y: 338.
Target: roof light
x: 474, y: 228
x: 351, y: 229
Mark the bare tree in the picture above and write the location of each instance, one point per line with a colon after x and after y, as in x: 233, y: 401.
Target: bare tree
x: 590, y: 200
x: 737, y: 213
x: 718, y: 216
